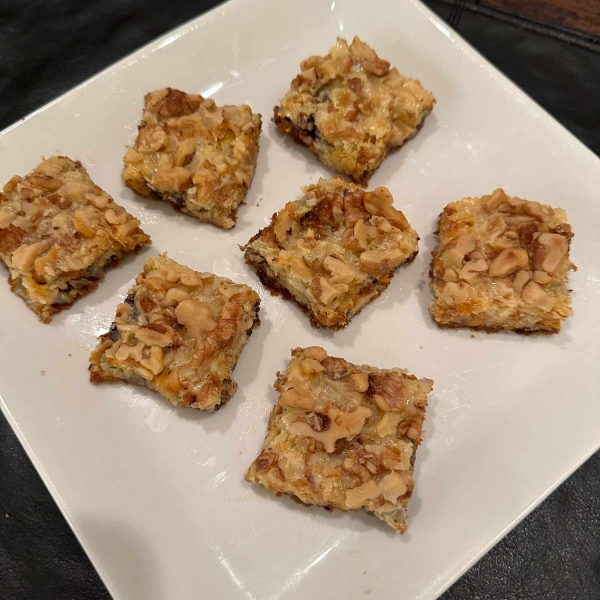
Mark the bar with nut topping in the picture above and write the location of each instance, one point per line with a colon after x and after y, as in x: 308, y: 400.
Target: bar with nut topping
x: 59, y: 232
x: 502, y: 263
x: 334, y: 250
x: 351, y: 109
x: 180, y: 333
x: 344, y: 436
x: 194, y: 154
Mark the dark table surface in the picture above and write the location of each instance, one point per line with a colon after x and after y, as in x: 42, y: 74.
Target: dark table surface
x: 551, y: 48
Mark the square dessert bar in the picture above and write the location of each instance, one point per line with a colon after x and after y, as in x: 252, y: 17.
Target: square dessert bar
x: 334, y: 250
x: 502, y: 263
x: 194, y: 154
x: 351, y: 109
x: 59, y: 232
x: 180, y: 333
x: 344, y: 436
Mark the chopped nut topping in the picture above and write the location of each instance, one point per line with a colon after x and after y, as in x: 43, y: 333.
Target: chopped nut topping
x: 194, y: 154
x: 388, y: 424
x: 331, y: 426
x: 351, y: 109
x: 182, y: 343
x: 360, y: 495
x: 344, y: 435
x: 334, y: 250
x: 156, y: 334
x: 493, y: 256
x: 508, y: 261
x: 298, y: 398
x: 392, y: 486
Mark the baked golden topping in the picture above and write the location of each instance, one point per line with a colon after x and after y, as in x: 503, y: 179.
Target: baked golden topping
x: 351, y: 108
x: 344, y: 436
x: 502, y: 263
x: 59, y: 232
x: 179, y: 332
x: 194, y: 154
x: 334, y: 250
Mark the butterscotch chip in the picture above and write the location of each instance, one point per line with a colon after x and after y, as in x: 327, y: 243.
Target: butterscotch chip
x: 502, y: 263
x: 59, y: 232
x: 352, y: 109
x: 334, y: 250
x: 180, y: 333
x: 194, y: 154
x: 346, y: 445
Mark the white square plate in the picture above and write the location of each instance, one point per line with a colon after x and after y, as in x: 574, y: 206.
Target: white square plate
x: 156, y: 494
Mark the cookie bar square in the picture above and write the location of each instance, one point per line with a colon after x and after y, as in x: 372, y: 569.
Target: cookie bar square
x: 344, y: 436
x: 334, y: 250
x: 59, y: 232
x: 194, y: 154
x: 180, y: 333
x: 351, y: 109
x: 501, y: 263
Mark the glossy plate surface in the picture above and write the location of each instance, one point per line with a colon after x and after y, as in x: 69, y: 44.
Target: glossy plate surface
x: 156, y: 494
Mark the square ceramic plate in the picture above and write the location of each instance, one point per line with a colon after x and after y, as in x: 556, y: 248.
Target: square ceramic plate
x: 155, y: 494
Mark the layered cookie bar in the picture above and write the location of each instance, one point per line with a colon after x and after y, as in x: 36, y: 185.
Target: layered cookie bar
x: 194, y: 154
x: 59, y: 232
x: 180, y: 333
x: 344, y: 436
x: 351, y: 109
x: 334, y: 250
x: 502, y: 263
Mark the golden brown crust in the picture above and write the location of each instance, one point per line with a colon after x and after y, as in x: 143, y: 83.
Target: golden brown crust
x: 343, y: 436
x: 351, y: 109
x: 179, y: 332
x: 199, y: 157
x: 59, y: 232
x: 501, y: 263
x: 334, y: 250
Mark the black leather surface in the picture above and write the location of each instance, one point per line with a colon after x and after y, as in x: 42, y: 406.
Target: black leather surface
x: 46, y: 47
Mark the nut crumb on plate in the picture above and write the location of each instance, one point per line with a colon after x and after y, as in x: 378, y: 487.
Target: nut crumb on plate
x: 344, y: 436
x: 180, y: 333
x: 351, y: 109
x: 194, y: 154
x: 334, y: 250
x: 502, y: 263
x: 59, y: 232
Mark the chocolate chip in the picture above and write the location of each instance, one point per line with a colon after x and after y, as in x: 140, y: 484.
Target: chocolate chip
x: 114, y: 334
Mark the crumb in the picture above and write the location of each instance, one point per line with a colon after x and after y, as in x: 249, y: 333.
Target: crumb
x: 69, y: 354
x: 6, y: 515
x: 367, y: 592
x: 364, y: 572
x: 472, y: 336
x: 42, y: 373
